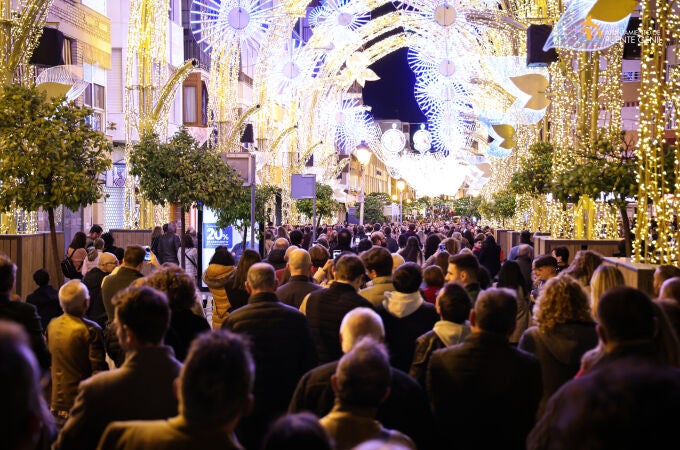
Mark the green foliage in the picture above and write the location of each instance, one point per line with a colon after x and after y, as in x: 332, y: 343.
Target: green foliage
x: 239, y: 211
x: 181, y: 172
x: 326, y: 206
x: 467, y: 206
x: 504, y: 204
x: 374, y: 206
x: 49, y: 153
x: 607, y: 169
x: 535, y: 174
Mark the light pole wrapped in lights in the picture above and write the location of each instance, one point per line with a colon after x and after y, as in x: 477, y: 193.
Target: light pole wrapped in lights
x: 401, y: 185
x: 363, y: 154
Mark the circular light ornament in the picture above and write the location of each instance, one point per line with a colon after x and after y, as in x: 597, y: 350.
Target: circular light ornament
x: 393, y: 140
x: 447, y: 68
x: 238, y: 18
x: 445, y: 15
x: 422, y: 139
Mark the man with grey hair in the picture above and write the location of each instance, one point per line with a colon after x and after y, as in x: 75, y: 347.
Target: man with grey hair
x: 361, y: 383
x: 314, y: 392
x: 299, y: 284
x: 214, y: 391
x: 77, y: 348
x: 282, y: 348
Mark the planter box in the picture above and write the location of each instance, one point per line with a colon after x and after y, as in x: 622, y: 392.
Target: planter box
x: 637, y: 275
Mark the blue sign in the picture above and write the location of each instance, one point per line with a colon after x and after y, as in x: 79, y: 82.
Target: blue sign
x: 213, y: 236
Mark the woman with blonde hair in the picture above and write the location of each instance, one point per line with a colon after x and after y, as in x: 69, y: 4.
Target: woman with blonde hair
x: 604, y: 277
x: 565, y: 331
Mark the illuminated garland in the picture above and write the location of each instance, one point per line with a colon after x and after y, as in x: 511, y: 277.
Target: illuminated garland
x: 659, y: 103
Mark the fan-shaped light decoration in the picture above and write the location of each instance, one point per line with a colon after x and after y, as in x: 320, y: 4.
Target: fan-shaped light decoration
x: 422, y: 139
x: 356, y: 69
x: 292, y: 68
x: 352, y: 124
x: 220, y: 23
x: 589, y: 25
x: 338, y: 21
x: 64, y: 80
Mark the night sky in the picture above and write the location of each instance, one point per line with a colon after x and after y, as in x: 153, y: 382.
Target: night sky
x: 392, y: 97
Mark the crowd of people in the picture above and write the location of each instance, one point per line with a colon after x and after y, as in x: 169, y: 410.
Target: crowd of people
x: 422, y: 335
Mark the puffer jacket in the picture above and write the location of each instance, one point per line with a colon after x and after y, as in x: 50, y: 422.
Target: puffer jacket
x: 215, y: 277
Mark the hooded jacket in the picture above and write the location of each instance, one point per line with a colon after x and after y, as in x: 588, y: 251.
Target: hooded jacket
x: 559, y: 352
x: 406, y: 316
x: 443, y: 334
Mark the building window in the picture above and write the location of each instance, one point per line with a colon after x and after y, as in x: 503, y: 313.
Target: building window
x: 67, y: 51
x: 190, y: 104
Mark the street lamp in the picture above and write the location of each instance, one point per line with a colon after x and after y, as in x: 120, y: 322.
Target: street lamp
x: 401, y: 185
x: 363, y: 154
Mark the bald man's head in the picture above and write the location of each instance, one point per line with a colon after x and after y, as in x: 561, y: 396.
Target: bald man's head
x: 299, y: 262
x: 281, y: 244
x: 359, y: 323
x: 107, y: 262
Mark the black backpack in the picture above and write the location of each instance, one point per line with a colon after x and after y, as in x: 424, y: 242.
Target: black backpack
x: 68, y: 269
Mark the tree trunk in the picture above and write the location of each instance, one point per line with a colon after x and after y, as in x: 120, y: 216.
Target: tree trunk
x: 55, y: 246
x: 627, y: 238
x: 183, y: 228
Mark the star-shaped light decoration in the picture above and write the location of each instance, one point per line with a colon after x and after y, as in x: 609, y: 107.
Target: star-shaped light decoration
x: 356, y: 69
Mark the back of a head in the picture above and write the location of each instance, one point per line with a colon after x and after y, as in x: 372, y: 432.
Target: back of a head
x: 262, y: 276
x: 379, y: 444
x: 364, y: 244
x: 217, y: 379
x: 178, y: 286
x: 295, y: 237
x: 281, y: 244
x: 107, y: 238
x: 300, y: 261
x: 626, y: 314
x: 360, y: 323
x: 433, y: 276
x: 134, y: 255
x: 495, y: 310
x: 145, y: 311
x: 525, y: 237
x: 525, y: 250
x: 454, y: 303
x: 562, y: 252
x: 223, y: 257
x: 8, y: 272
x: 363, y: 375
x: 172, y: 227
x: 562, y: 299
x: 344, y: 238
x: 670, y: 289
x: 348, y: 268
x: 72, y: 297
x: 300, y: 431
x: 23, y: 409
x: 96, y: 229
x: 604, y: 278
x: 378, y: 259
x: 319, y: 255
x: 41, y: 277
x: 407, y: 278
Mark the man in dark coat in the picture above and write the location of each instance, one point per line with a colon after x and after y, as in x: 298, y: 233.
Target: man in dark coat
x: 485, y: 392
x: 315, y: 394
x: 45, y: 298
x: 168, y: 244
x: 22, y: 313
x: 142, y: 388
x: 299, y: 284
x: 326, y: 308
x: 282, y: 347
x: 93, y: 280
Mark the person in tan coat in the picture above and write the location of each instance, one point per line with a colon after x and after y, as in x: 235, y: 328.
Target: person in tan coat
x: 215, y: 276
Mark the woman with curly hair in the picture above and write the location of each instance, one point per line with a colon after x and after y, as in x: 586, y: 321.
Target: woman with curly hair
x: 180, y: 288
x: 564, y: 332
x: 583, y: 267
